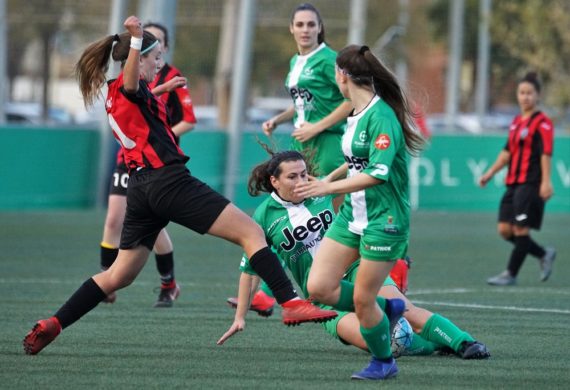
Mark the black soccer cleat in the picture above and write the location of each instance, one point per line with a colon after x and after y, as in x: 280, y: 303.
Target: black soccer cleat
x: 473, y: 350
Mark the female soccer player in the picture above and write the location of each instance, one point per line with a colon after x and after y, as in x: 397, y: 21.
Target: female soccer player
x: 294, y: 227
x: 160, y: 187
x: 528, y: 154
x: 373, y: 221
x: 319, y: 110
x: 178, y: 102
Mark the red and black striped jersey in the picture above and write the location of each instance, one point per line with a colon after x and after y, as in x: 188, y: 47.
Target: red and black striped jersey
x: 178, y: 101
x: 529, y: 138
x: 139, y: 122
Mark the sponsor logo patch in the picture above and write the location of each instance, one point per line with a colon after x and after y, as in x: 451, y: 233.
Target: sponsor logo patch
x: 382, y: 142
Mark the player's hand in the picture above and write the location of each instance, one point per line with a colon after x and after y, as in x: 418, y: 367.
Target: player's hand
x: 175, y: 82
x: 134, y: 26
x: 483, y: 180
x: 312, y: 188
x: 305, y: 132
x: 546, y: 191
x: 269, y: 127
x: 237, y: 326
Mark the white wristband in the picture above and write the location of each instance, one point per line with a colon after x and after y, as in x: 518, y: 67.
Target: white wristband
x: 136, y: 43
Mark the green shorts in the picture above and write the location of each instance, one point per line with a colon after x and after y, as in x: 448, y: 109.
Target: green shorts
x: 372, y: 245
x: 325, y: 149
x: 331, y: 326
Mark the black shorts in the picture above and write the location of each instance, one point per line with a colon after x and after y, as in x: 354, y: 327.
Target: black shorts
x: 522, y: 206
x: 119, y: 180
x: 158, y: 196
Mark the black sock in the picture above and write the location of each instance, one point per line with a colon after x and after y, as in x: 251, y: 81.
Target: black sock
x: 534, y: 249
x: 165, y: 267
x: 108, y: 256
x: 265, y: 264
x: 81, y: 302
x: 522, y: 245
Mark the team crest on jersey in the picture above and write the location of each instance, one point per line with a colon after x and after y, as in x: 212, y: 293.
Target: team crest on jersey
x: 109, y: 103
x: 382, y: 142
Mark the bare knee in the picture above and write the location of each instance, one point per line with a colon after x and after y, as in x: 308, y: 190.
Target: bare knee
x: 253, y: 239
x: 321, y: 291
x: 505, y: 230
x: 363, y: 303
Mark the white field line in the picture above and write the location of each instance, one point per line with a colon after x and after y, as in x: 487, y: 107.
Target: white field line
x: 516, y: 290
x: 489, y: 307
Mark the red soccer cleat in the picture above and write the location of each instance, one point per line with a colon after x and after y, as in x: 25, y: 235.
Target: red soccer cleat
x: 43, y: 333
x: 298, y: 311
x: 399, y: 273
x: 261, y: 303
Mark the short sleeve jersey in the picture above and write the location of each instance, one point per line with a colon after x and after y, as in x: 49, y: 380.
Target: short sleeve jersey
x: 178, y: 101
x: 311, y: 83
x: 374, y: 144
x: 294, y: 232
x: 529, y: 139
x: 140, y: 124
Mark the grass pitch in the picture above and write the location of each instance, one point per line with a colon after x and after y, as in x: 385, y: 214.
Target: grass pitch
x: 46, y: 256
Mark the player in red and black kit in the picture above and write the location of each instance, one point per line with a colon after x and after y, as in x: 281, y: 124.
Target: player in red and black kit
x: 176, y: 97
x: 528, y: 154
x: 160, y: 189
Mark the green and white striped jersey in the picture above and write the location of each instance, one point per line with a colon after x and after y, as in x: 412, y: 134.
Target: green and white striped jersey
x: 294, y: 232
x: 374, y: 144
x: 311, y: 83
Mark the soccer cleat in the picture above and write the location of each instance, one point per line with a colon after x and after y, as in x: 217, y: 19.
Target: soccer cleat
x: 399, y: 273
x: 298, y: 311
x: 111, y: 298
x: 473, y: 350
x: 261, y: 303
x: 43, y: 333
x: 502, y: 279
x: 167, y: 296
x: 546, y: 263
x: 378, y: 369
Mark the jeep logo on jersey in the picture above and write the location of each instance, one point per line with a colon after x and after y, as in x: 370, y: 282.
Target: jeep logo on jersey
x: 382, y: 142
x: 302, y: 93
x: 314, y: 224
x: 357, y: 163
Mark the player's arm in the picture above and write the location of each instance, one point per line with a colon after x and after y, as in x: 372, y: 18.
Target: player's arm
x: 338, y: 173
x: 182, y: 127
x: 245, y: 293
x: 188, y: 120
x: 170, y: 85
x: 502, y: 160
x: 270, y: 125
x: 546, y: 189
x: 131, y: 71
x: 315, y: 187
x: 311, y: 130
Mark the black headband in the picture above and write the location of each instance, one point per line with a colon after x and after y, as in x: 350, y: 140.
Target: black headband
x: 278, y: 158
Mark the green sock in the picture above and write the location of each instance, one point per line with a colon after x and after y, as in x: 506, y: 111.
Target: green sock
x: 265, y: 288
x: 378, y: 339
x: 443, y: 332
x: 346, y: 300
x: 420, y: 346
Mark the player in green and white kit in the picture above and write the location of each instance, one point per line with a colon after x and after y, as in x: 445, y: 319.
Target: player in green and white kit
x: 294, y: 228
x: 319, y: 110
x: 373, y: 222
